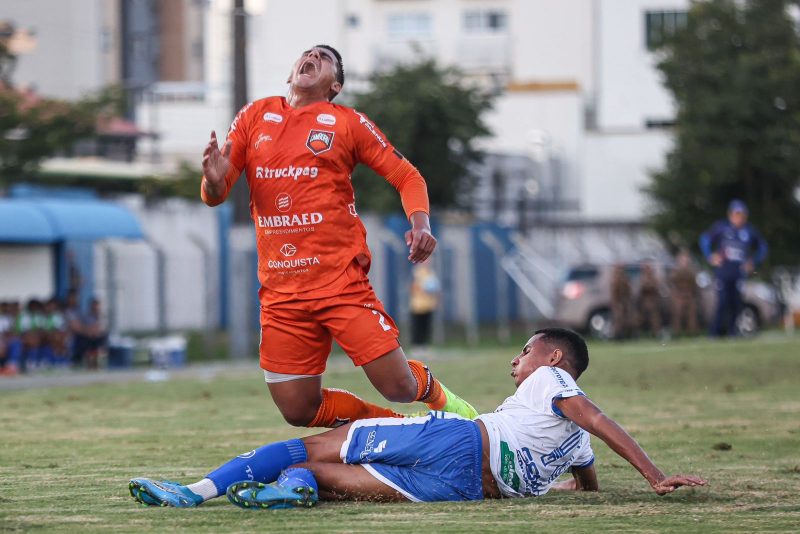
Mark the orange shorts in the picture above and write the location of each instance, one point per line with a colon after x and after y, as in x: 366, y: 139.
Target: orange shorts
x: 297, y: 329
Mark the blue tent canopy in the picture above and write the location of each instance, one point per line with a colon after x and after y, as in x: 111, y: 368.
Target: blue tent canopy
x: 53, y: 220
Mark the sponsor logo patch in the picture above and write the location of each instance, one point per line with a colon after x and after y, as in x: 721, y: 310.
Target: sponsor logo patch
x: 261, y: 139
x: 288, y: 250
x: 319, y: 141
x: 371, y: 127
x: 283, y: 202
x: 326, y: 119
x: 273, y: 117
x: 270, y: 173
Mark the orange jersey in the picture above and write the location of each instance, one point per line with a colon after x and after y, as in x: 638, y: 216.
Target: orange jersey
x: 298, y: 164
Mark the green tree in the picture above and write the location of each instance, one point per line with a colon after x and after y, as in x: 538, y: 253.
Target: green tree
x: 433, y: 118
x: 734, y: 71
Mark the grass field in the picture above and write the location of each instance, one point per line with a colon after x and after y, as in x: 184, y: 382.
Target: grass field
x: 729, y: 411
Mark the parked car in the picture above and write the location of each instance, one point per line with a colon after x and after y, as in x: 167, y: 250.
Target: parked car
x: 583, y: 299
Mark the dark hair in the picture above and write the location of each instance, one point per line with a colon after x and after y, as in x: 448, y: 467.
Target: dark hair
x: 340, y: 66
x: 571, y: 344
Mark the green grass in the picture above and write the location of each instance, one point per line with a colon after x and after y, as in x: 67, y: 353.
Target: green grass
x: 66, y: 454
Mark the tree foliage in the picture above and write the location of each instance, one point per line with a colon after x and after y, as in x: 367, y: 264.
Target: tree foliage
x: 433, y: 119
x: 734, y: 71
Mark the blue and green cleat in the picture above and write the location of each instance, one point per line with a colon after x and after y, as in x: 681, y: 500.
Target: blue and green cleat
x: 163, y: 493
x: 295, y: 488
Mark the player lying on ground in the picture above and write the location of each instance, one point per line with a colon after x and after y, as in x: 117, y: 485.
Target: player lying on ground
x: 536, y: 435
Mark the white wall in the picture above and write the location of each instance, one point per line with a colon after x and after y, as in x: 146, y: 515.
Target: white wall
x: 617, y: 166
x: 551, y: 41
x: 629, y: 86
x: 126, y: 282
x: 26, y: 272
x: 76, y: 45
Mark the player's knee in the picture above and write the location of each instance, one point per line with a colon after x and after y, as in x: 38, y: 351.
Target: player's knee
x: 404, y: 390
x: 299, y: 415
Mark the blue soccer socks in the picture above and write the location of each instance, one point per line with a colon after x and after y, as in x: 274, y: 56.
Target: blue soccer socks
x: 260, y: 465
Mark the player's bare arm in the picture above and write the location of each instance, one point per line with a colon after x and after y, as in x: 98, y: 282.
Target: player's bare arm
x: 419, y: 239
x: 215, y: 166
x: 583, y: 479
x: 589, y: 417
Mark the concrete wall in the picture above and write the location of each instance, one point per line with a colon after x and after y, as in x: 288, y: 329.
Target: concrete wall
x: 617, y: 166
x: 26, y: 271
x: 77, y: 49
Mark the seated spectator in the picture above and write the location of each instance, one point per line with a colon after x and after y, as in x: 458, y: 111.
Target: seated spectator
x: 91, y: 337
x: 10, y: 344
x: 29, y: 328
x: 55, y: 349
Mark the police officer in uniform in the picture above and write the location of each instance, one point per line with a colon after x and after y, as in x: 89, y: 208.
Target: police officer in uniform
x: 734, y: 248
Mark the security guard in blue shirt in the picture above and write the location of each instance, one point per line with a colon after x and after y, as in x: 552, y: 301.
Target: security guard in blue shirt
x: 734, y: 248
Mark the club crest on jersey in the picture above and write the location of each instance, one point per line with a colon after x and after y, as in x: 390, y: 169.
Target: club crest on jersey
x: 283, y: 202
x: 319, y: 141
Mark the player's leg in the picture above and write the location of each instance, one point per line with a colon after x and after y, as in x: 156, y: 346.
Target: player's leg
x: 427, y: 389
x: 343, y: 482
x: 263, y: 465
x: 721, y: 308
x: 359, y: 323
x: 736, y: 306
x: 294, y: 350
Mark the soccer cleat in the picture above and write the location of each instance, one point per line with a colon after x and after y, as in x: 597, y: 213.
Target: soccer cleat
x: 163, y: 493
x: 257, y: 495
x: 457, y: 405
x: 299, y: 479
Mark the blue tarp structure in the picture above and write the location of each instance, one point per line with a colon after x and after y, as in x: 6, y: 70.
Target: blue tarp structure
x: 54, y: 220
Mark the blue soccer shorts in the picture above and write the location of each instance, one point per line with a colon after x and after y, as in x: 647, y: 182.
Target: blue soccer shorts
x: 436, y: 457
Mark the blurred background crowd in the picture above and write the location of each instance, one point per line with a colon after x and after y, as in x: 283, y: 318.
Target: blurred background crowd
x: 43, y: 334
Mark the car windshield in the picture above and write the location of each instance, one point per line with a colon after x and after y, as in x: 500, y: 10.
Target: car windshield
x: 581, y: 273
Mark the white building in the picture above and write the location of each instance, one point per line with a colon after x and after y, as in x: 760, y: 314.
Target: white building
x: 579, y: 93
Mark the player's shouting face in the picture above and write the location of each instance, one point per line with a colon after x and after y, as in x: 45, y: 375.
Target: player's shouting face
x: 315, y: 72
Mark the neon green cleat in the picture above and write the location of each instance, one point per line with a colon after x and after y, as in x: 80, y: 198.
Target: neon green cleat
x: 457, y: 405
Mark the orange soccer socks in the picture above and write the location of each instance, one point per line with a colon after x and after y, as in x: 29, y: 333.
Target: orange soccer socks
x: 339, y: 407
x: 429, y: 390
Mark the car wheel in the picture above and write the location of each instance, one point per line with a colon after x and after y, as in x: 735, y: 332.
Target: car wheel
x: 748, y: 322
x: 599, y: 324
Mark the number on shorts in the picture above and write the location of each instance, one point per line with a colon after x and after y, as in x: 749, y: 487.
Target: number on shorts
x: 382, y: 320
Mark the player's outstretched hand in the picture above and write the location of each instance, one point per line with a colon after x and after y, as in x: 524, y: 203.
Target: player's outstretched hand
x: 670, y: 484
x: 216, y: 163
x: 420, y: 243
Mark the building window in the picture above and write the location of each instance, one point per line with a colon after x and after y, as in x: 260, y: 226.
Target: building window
x: 409, y: 25
x: 485, y: 21
x: 661, y: 25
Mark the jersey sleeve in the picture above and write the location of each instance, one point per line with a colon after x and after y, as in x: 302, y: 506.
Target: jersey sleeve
x: 708, y: 239
x: 237, y: 134
x: 371, y: 146
x: 546, y: 385
x: 374, y: 150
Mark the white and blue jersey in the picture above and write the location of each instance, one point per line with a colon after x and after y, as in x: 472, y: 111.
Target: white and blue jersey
x: 531, y: 442
x: 436, y: 457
